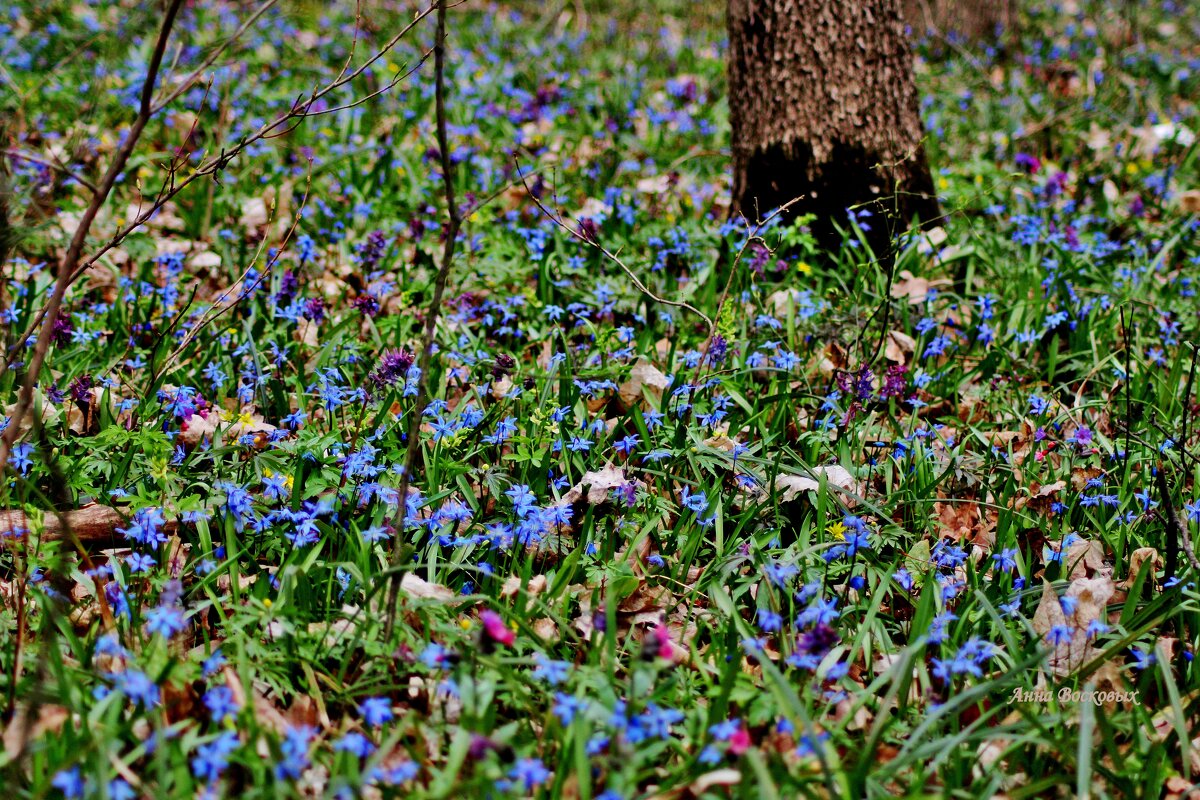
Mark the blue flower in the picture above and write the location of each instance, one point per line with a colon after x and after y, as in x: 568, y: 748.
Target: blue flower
x: 220, y: 703
x: 294, y: 749
x: 567, y: 706
x: 1142, y: 659
x: 355, y: 743
x: 212, y: 759
x: 376, y: 711
x: 550, y: 671
x: 19, y: 457
x: 69, y: 782
x: 530, y: 773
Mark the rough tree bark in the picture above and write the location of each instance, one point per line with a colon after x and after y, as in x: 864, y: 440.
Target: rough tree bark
x: 823, y: 107
x: 977, y: 20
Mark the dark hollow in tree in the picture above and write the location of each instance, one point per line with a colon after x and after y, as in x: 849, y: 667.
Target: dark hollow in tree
x: 823, y: 107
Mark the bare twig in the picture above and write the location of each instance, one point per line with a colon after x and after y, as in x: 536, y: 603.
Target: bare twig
x: 56, y: 165
x: 1176, y: 530
x: 195, y: 75
x: 300, y: 109
x: 591, y: 242
x: 431, y: 316
x: 75, y: 250
x: 753, y: 234
x: 220, y: 309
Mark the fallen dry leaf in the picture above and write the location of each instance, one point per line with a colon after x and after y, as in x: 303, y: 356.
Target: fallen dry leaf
x: 1136, y: 559
x: 790, y: 486
x: 1091, y: 595
x: 899, y: 347
x: 420, y: 589
x: 914, y: 288
x: 600, y: 485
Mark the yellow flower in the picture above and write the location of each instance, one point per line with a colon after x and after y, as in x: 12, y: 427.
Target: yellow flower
x: 837, y: 529
x: 804, y: 268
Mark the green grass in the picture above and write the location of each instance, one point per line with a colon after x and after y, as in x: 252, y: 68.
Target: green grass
x: 1063, y: 300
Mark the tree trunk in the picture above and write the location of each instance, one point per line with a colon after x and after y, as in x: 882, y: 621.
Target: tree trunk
x: 976, y: 20
x: 823, y: 107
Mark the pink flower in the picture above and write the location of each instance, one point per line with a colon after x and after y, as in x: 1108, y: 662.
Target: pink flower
x: 662, y: 642
x: 495, y: 629
x: 739, y: 742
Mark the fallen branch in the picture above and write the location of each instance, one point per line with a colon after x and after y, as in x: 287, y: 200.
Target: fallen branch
x: 92, y: 523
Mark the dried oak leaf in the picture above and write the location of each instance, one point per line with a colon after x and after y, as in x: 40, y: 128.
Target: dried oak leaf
x: 600, y: 485
x: 790, y: 486
x: 1091, y: 596
x: 420, y: 589
x: 1136, y: 559
x: 1085, y: 559
x: 900, y: 346
x: 914, y: 288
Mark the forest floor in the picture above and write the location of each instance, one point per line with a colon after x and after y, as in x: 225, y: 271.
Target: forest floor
x: 699, y: 508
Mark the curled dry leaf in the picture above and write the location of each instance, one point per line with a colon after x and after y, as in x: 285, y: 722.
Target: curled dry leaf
x: 790, y: 486
x: 420, y: 589
x: 720, y: 439
x: 965, y: 522
x: 1084, y: 559
x: 514, y: 584
x: 1189, y: 201
x: 914, y: 288
x: 900, y: 347
x: 645, y: 386
x: 546, y: 629
x: 1091, y: 595
x: 1050, y: 488
x: 22, y: 729
x: 1136, y: 559
x: 718, y: 777
x: 79, y: 422
x: 599, y: 485
x: 198, y: 428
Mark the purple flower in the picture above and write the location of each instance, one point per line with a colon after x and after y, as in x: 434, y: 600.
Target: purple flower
x: 393, y: 366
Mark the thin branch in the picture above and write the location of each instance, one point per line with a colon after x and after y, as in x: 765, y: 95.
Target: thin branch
x: 637, y: 282
x: 187, y: 82
x: 220, y: 309
x: 75, y: 250
x: 753, y: 234
x: 55, y: 165
x: 431, y: 316
x: 1176, y: 529
x: 299, y: 111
